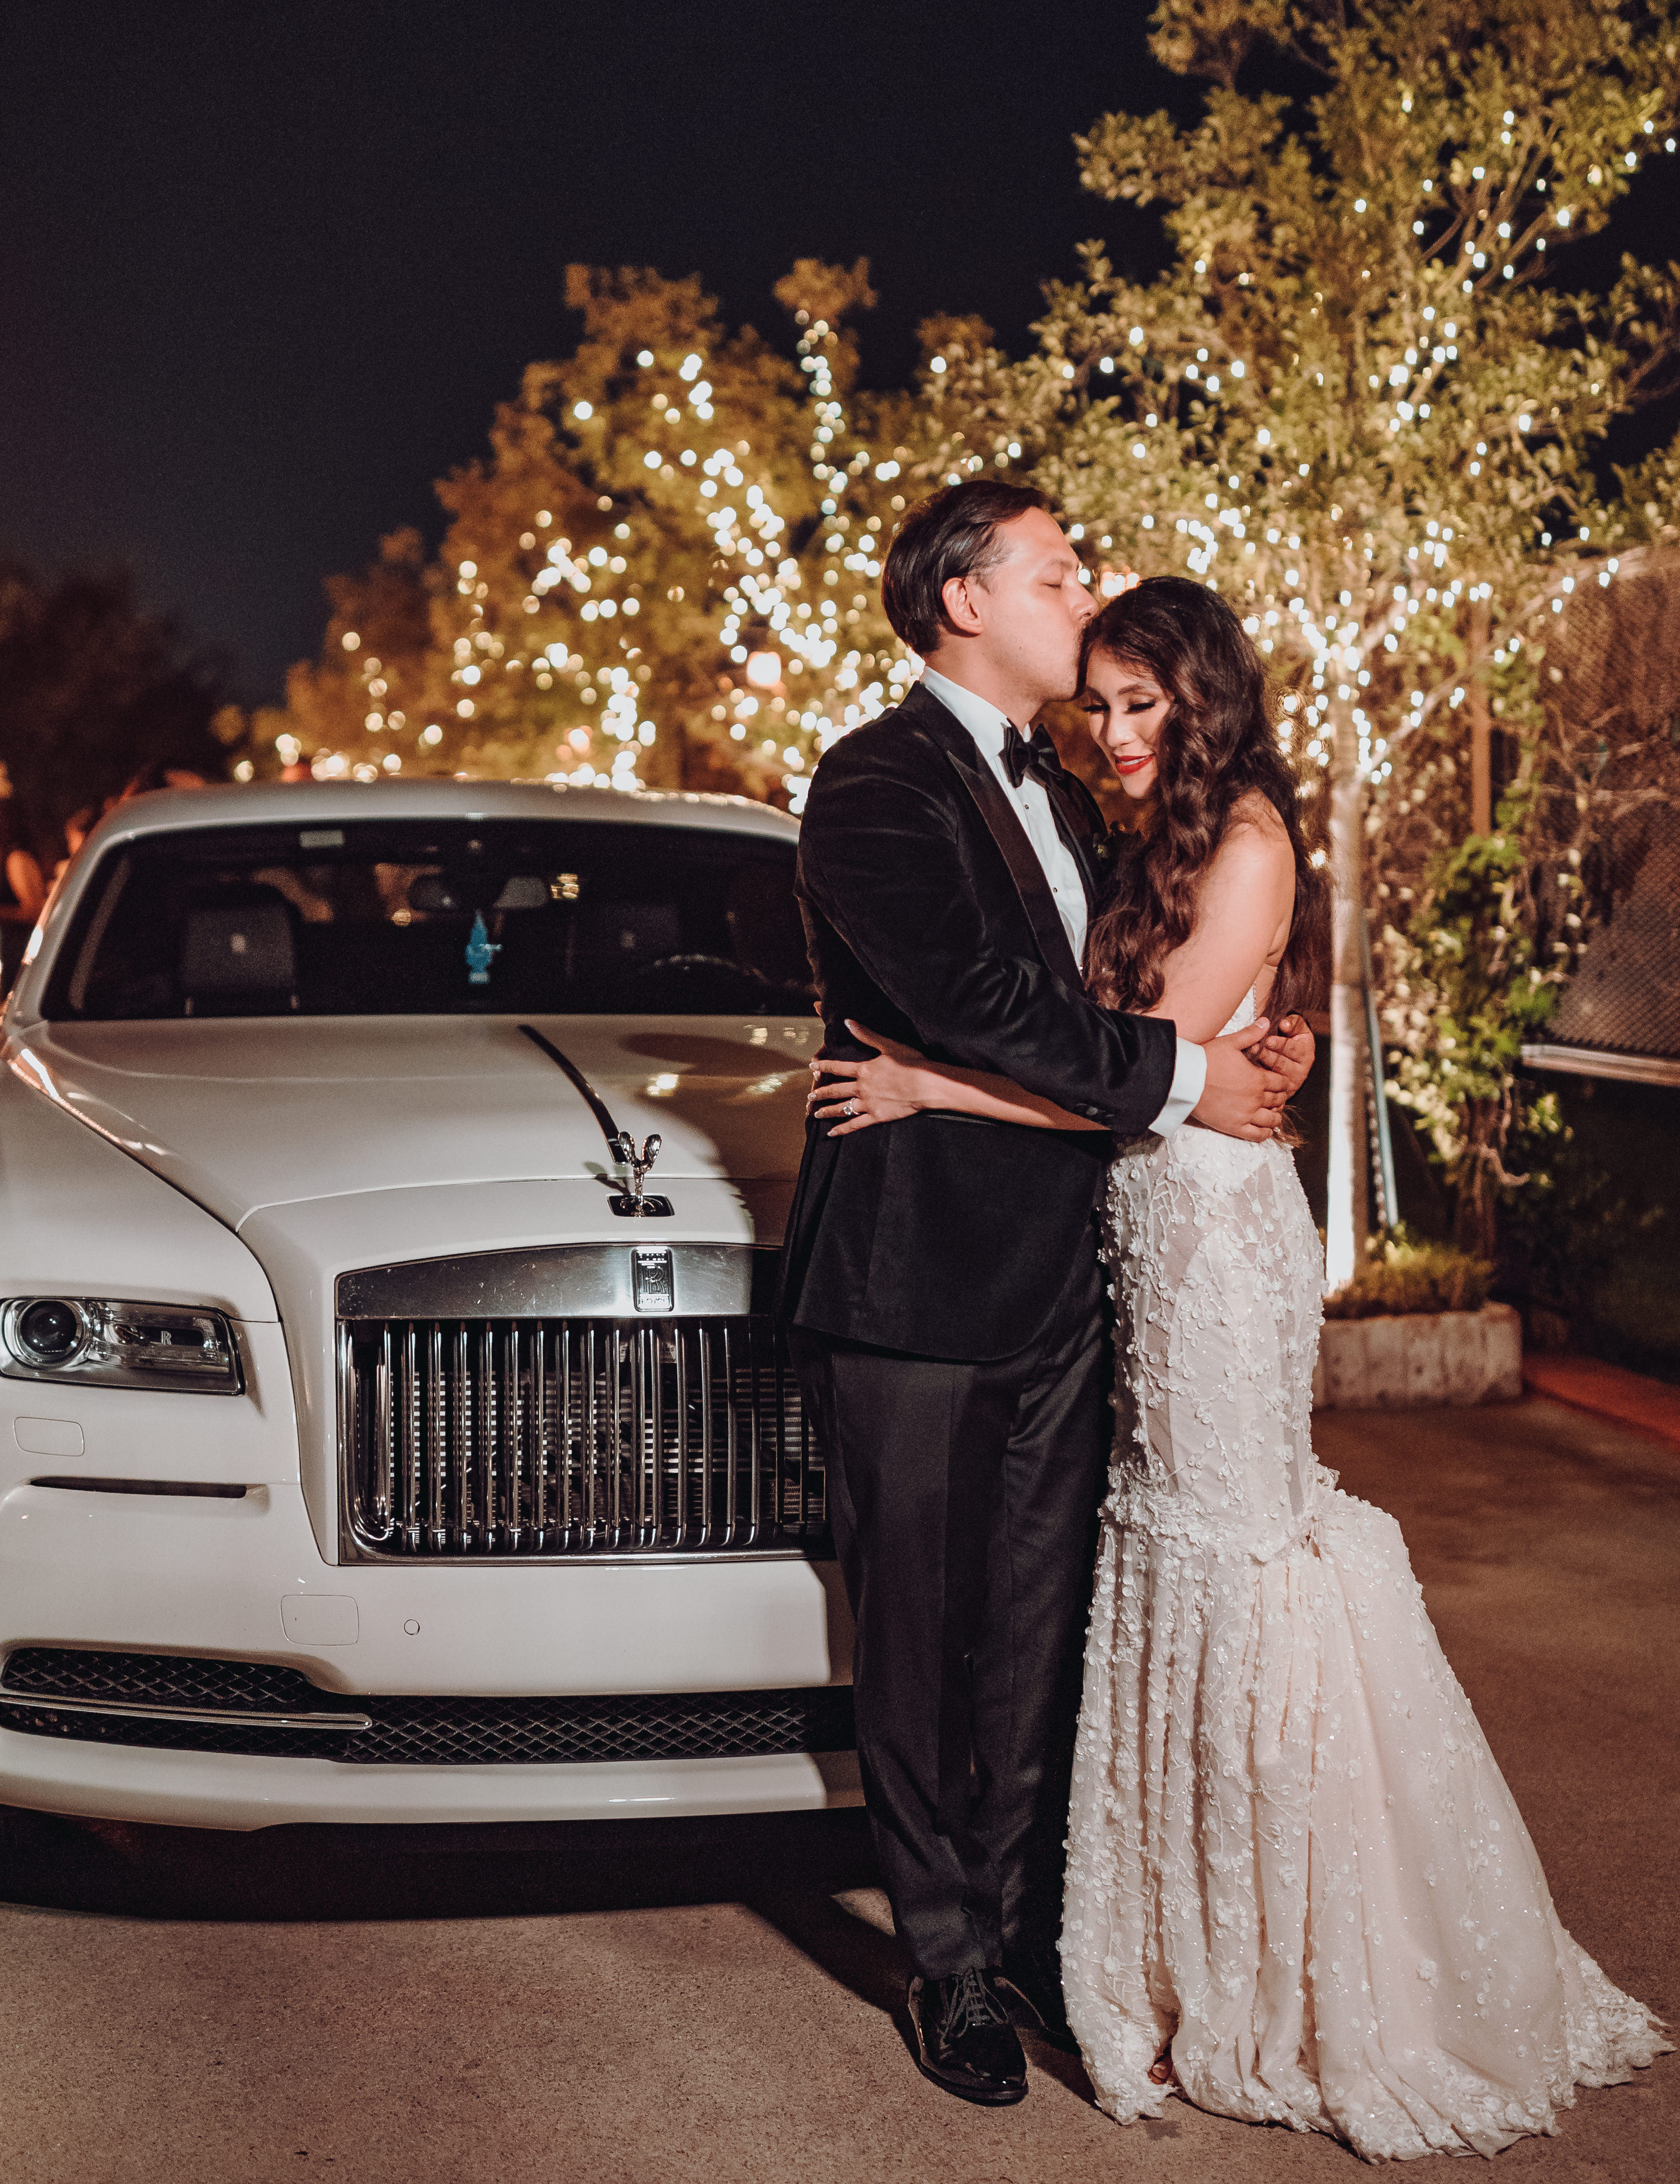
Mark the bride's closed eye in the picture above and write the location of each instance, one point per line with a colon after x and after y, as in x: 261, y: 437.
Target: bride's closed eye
x: 1096, y: 708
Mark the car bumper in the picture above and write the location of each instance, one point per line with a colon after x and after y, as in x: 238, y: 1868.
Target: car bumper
x: 243, y: 1580
x: 198, y: 1790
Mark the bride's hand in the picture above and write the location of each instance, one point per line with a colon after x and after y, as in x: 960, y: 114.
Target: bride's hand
x: 888, y: 1087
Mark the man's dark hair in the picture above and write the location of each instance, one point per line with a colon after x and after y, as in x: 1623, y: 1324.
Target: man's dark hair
x: 952, y: 533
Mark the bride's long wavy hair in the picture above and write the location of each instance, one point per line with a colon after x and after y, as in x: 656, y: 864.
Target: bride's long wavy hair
x: 1217, y: 743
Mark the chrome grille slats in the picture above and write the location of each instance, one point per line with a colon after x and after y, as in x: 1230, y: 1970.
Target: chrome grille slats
x: 539, y: 1417
x: 474, y: 1439
x: 437, y: 1454
x: 465, y: 1512
x: 591, y: 1440
x: 412, y: 1450
x: 706, y: 1455
x: 615, y: 1473
x: 384, y: 1397
x: 645, y: 1422
x: 511, y: 1421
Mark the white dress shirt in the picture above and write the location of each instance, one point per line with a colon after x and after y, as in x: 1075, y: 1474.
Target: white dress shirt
x: 1032, y: 804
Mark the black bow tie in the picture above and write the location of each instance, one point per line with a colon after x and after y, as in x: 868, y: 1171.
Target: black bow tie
x: 1034, y: 754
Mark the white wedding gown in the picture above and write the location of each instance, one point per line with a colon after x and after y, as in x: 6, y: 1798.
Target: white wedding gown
x: 1290, y: 1852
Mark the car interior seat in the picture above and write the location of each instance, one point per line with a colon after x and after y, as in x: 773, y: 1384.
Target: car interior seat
x: 627, y: 936
x: 238, y: 953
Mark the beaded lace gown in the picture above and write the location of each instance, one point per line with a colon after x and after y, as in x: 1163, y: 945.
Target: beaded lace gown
x: 1290, y: 1852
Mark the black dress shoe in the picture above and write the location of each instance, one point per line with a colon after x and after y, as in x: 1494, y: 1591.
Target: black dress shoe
x: 964, y: 2040
x: 1031, y: 1979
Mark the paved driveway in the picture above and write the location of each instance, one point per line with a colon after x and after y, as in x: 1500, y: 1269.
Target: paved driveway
x: 714, y: 2002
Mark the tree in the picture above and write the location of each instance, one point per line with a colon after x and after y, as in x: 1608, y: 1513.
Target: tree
x: 93, y: 689
x: 1470, y: 980
x: 1359, y: 402
x: 665, y: 575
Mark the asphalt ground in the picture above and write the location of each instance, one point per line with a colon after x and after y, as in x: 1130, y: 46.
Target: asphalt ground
x: 720, y: 2001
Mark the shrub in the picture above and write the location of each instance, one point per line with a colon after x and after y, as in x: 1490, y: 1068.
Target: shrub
x: 1413, y: 1277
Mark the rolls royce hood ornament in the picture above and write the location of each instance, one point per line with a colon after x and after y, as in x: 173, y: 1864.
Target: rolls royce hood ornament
x: 632, y: 1202
x: 632, y: 1205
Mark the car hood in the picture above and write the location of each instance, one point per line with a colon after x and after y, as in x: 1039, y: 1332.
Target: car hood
x: 244, y: 1115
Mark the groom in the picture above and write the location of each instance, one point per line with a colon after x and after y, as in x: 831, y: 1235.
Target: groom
x: 940, y: 1283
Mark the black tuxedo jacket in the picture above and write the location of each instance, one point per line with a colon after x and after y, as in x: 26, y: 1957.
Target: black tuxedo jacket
x: 928, y: 917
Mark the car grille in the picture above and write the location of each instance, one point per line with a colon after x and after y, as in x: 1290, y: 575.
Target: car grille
x: 517, y: 1439
x: 401, y: 1731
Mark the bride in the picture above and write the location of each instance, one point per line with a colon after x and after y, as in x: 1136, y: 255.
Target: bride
x: 1297, y: 1889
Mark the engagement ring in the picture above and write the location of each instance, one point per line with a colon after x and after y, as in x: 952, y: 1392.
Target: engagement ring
x: 852, y: 1107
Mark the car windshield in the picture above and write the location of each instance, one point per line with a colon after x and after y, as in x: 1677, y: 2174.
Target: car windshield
x: 432, y: 917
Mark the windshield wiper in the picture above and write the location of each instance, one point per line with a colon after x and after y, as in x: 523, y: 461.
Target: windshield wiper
x: 631, y: 1205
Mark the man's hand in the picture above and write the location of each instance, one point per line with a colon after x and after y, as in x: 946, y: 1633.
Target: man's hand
x: 1240, y: 1098
x: 1289, y: 1050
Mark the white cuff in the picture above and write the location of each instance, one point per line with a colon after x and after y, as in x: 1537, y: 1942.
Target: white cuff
x: 1190, y: 1081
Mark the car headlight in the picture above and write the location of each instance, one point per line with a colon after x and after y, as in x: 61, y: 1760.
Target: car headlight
x: 108, y: 1343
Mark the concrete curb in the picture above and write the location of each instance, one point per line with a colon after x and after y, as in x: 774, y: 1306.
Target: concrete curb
x: 1412, y: 1361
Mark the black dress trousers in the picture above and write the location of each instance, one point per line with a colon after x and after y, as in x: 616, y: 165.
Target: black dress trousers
x: 963, y: 1498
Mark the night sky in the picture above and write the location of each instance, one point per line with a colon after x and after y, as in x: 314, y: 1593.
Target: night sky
x: 266, y: 271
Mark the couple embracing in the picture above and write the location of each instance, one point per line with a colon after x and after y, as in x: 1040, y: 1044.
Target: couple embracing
x: 1228, y: 1826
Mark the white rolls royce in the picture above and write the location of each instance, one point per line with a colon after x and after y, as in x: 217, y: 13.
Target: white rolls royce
x: 393, y: 1421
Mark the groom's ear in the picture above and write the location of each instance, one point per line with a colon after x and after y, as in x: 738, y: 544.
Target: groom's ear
x: 956, y: 596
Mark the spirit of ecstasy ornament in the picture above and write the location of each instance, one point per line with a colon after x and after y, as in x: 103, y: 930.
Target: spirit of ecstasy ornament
x: 632, y: 1202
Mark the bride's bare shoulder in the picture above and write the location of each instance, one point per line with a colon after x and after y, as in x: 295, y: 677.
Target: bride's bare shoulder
x: 1255, y: 812
x: 1255, y: 844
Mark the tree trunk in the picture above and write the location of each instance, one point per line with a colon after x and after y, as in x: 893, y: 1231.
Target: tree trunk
x: 1481, y: 726
x: 1346, y: 1224
x: 1476, y: 1212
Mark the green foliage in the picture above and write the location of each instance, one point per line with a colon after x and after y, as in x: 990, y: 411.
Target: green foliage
x: 1467, y: 990
x: 1468, y: 986
x: 1406, y: 1277
x: 1650, y: 497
